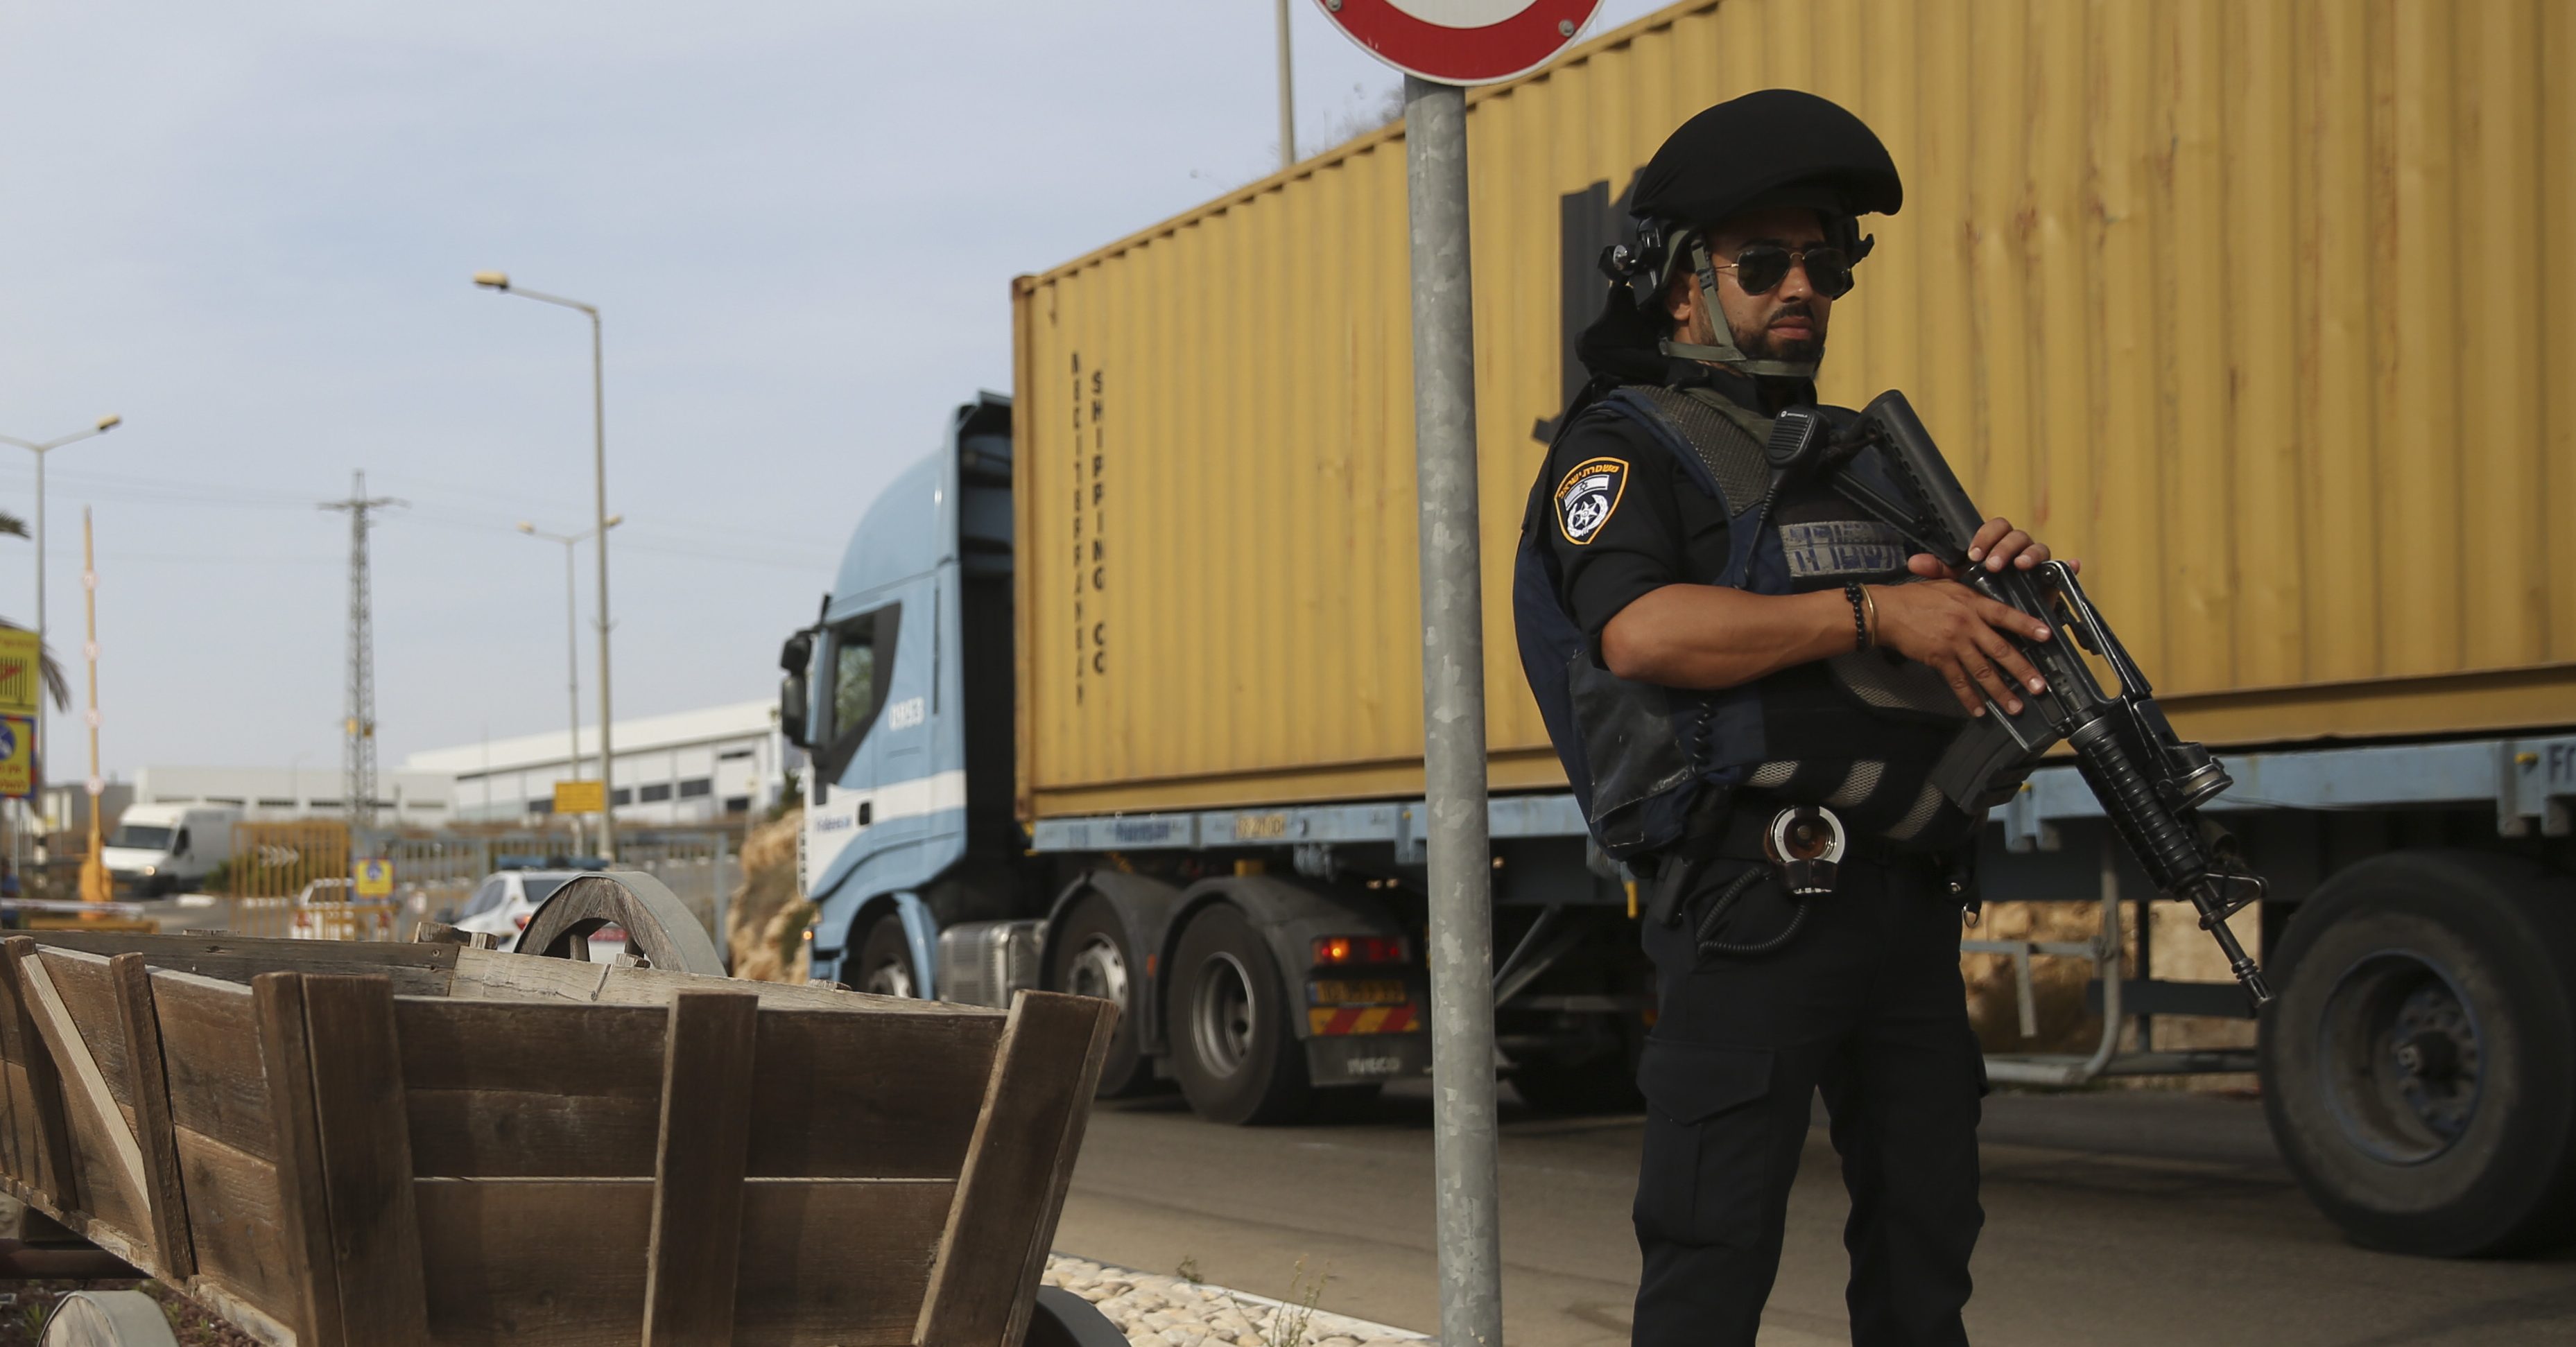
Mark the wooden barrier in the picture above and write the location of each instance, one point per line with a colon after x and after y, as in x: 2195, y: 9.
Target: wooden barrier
x: 423, y: 1144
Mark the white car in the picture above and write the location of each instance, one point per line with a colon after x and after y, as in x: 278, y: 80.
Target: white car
x: 502, y: 904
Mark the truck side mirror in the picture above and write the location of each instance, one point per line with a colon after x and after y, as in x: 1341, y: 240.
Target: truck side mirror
x: 794, y: 658
x: 791, y: 709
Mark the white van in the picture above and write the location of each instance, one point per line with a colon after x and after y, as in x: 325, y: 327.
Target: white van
x: 163, y: 848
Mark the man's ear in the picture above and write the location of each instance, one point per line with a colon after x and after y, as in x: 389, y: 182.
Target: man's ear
x: 1679, y: 297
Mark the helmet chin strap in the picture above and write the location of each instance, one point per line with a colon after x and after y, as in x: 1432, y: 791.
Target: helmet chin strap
x: 1724, y: 352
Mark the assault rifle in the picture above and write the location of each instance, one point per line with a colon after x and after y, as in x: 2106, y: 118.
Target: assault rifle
x: 2150, y: 781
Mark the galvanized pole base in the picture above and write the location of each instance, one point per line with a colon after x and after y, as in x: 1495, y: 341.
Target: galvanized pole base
x: 1453, y: 720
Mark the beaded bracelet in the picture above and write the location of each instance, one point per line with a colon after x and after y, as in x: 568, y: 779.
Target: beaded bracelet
x: 1860, y: 606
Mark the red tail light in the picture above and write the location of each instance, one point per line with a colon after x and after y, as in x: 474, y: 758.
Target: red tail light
x: 1336, y: 950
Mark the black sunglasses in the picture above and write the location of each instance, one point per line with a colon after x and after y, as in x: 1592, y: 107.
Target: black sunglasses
x: 1761, y: 268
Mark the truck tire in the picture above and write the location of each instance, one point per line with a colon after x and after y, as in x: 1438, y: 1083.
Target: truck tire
x: 1236, y: 1055
x: 2419, y: 1069
x: 1092, y: 957
x: 884, y: 966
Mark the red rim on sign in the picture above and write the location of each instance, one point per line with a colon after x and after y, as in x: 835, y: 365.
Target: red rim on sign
x: 1462, y: 41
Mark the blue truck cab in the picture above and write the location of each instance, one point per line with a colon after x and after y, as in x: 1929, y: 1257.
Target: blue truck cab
x: 901, y: 693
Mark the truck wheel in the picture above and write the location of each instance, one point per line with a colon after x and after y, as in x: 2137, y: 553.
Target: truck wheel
x: 1092, y: 958
x: 1232, y: 1047
x: 885, y: 961
x: 2419, y: 1069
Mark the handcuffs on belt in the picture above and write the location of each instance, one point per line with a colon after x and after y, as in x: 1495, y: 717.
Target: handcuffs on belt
x: 1804, y: 844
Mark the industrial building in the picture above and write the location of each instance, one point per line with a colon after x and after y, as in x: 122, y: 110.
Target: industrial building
x: 692, y: 767
x: 403, y: 799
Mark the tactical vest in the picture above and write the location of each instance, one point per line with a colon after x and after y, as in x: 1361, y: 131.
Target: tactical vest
x: 1861, y: 733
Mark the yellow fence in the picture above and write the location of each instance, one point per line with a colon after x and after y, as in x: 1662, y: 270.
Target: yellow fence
x: 276, y: 864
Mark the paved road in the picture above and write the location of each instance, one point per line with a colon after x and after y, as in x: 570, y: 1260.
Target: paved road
x: 2110, y: 1218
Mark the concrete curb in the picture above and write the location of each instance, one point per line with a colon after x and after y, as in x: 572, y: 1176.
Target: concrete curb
x: 1158, y: 1310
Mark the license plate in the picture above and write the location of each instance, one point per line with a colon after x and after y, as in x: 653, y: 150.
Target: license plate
x: 1356, y: 992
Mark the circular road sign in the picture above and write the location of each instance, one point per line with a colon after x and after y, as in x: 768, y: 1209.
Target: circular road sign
x: 1462, y: 41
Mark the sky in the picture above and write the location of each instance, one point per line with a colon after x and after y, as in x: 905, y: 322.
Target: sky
x: 250, y: 230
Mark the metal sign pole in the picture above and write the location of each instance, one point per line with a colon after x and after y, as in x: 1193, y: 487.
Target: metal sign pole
x: 1453, y: 719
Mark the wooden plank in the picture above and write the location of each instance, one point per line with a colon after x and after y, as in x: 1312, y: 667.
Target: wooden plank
x: 531, y: 1089
x: 89, y: 994
x: 440, y: 933
x: 561, y: 1262
x: 902, y: 1093
x: 489, y: 974
x: 837, y: 1262
x: 18, y: 1155
x: 696, y: 1244
x: 45, y: 1157
x: 366, y: 1154
x: 138, y: 1024
x: 86, y: 1087
x: 416, y: 970
x: 304, y: 1216
x: 237, y: 1222
x: 1017, y: 1167
x: 210, y: 1052
x: 517, y: 1261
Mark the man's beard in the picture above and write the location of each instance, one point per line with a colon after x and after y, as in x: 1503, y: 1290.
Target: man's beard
x: 1796, y: 350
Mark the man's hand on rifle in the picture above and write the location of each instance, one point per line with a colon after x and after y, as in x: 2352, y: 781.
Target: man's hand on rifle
x: 1960, y: 632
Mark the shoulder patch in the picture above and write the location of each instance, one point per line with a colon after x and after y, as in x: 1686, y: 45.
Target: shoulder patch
x: 1586, y: 497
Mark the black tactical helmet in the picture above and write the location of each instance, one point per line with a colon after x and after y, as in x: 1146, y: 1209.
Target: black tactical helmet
x: 1773, y: 147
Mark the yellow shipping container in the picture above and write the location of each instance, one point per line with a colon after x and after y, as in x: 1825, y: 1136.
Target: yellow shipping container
x: 2263, y: 308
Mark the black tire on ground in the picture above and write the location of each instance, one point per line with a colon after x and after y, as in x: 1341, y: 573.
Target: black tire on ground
x: 2419, y: 1069
x: 884, y: 965
x: 1093, y: 957
x: 1237, y: 1057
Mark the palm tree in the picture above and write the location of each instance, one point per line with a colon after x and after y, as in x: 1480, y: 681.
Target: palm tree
x: 55, y: 683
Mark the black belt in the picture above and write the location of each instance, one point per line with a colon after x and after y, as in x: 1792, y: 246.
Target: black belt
x: 1732, y: 830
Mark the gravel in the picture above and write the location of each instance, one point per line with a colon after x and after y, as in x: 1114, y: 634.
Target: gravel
x: 1170, y: 1311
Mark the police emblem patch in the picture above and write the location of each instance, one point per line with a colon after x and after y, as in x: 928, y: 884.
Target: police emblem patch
x: 1586, y: 497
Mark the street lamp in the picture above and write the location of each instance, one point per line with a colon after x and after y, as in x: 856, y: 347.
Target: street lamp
x: 572, y: 649
x: 104, y: 424
x: 500, y: 281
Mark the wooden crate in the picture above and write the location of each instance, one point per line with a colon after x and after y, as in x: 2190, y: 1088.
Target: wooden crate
x: 412, y: 1144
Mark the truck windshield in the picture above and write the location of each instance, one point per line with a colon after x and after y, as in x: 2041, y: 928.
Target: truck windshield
x: 141, y: 837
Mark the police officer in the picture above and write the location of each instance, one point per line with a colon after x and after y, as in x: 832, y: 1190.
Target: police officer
x: 1750, y: 683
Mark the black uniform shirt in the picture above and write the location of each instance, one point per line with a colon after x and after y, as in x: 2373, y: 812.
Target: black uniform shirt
x: 1631, y: 520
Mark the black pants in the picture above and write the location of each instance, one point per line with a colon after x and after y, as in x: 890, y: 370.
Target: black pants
x: 1865, y: 1004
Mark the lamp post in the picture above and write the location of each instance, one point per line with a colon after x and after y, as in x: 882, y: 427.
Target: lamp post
x: 572, y: 650
x: 500, y: 281
x: 104, y: 424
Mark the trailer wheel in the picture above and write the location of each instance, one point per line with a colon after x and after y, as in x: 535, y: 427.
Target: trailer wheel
x: 884, y: 966
x: 108, y: 1319
x: 2419, y: 1070
x: 1092, y: 958
x: 1232, y: 1047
